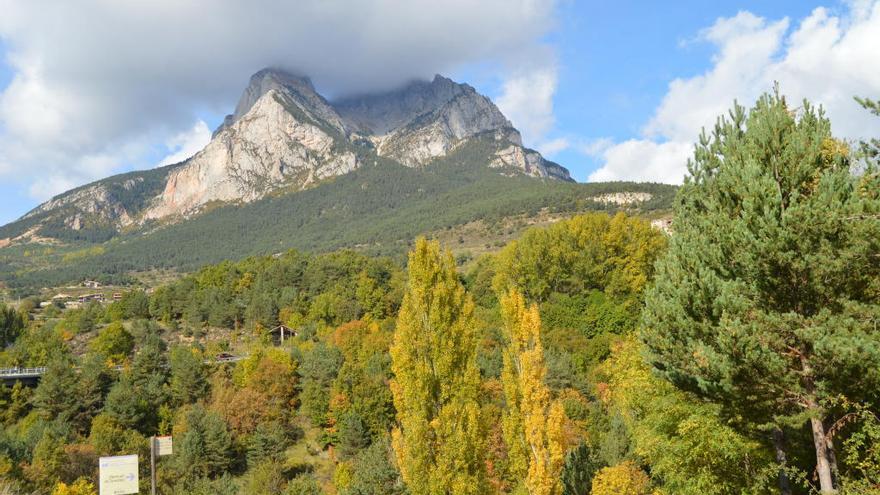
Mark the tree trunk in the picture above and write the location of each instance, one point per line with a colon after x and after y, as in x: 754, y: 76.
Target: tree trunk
x: 779, y: 447
x: 820, y: 442
x: 832, y: 457
x: 823, y: 457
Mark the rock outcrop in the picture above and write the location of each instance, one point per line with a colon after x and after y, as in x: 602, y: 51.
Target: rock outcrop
x: 277, y: 142
x: 423, y: 121
x: 94, y: 201
x: 284, y: 134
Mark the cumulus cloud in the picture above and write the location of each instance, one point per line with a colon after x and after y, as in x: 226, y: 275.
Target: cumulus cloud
x: 641, y: 159
x: 187, y: 143
x: 827, y: 58
x: 527, y: 98
x: 553, y: 146
x: 96, y: 83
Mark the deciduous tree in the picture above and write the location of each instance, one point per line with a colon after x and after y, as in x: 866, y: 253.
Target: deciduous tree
x: 534, y: 422
x: 439, y: 440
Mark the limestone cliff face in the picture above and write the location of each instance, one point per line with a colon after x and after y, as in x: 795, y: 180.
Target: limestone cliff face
x: 277, y: 142
x: 529, y: 162
x: 380, y: 114
x: 284, y: 134
x: 437, y: 132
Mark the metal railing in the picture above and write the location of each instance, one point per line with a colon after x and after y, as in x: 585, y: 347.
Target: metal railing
x: 36, y: 372
x: 22, y: 372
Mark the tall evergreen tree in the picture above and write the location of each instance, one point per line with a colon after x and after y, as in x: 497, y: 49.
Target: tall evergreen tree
x: 871, y: 147
x: 94, y: 383
x: 439, y: 440
x: 189, y: 375
x: 767, y: 299
x: 57, y: 396
x: 534, y: 422
x: 134, y: 401
x: 206, y: 447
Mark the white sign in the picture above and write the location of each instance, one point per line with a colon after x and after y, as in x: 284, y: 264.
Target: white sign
x: 118, y: 475
x: 164, y: 446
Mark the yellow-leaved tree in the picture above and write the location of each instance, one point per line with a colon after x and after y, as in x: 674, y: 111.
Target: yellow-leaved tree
x: 439, y: 438
x: 81, y: 486
x: 623, y: 479
x: 533, y: 422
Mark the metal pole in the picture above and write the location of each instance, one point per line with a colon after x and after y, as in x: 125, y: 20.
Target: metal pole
x: 153, y: 465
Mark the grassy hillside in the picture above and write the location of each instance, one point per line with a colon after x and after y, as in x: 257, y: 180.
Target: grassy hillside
x: 378, y: 209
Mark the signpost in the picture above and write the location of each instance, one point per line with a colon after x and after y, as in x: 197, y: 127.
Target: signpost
x: 159, y: 446
x: 118, y: 475
x: 164, y: 446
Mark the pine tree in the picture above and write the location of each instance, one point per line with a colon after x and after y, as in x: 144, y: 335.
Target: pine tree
x: 439, y: 440
x: 57, y: 395
x: 189, y: 375
x: 767, y: 299
x: 871, y: 147
x: 533, y: 423
x: 206, y: 447
x: 94, y: 383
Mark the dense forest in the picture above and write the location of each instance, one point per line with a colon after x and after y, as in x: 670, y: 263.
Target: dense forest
x: 738, y: 355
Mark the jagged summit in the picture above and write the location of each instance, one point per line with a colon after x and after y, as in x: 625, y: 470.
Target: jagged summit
x: 285, y: 136
x: 380, y: 113
x: 279, y: 80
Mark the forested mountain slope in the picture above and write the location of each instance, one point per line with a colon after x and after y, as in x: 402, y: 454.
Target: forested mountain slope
x: 290, y: 169
x: 377, y: 209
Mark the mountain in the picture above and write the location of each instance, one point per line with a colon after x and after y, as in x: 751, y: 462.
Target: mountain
x: 288, y: 168
x: 285, y: 135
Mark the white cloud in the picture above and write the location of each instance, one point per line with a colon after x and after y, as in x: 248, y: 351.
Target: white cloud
x: 94, y: 81
x: 826, y: 58
x: 527, y: 100
x: 746, y: 45
x: 641, y: 159
x: 595, y: 147
x: 187, y: 144
x: 553, y: 146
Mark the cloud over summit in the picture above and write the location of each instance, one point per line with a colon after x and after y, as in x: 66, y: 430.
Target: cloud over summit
x: 98, y: 85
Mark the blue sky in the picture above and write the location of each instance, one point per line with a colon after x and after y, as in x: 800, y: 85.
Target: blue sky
x: 611, y: 90
x: 617, y: 59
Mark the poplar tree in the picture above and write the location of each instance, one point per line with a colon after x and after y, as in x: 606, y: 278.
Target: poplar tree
x: 439, y: 439
x: 533, y: 423
x: 767, y: 299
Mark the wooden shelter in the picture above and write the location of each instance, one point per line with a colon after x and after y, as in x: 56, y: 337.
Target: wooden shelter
x: 282, y: 332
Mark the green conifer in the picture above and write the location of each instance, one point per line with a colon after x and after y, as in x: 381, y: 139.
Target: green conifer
x: 767, y: 299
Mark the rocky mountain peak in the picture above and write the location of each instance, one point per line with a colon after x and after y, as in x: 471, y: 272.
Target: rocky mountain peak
x: 292, y: 85
x: 381, y: 113
x: 268, y: 79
